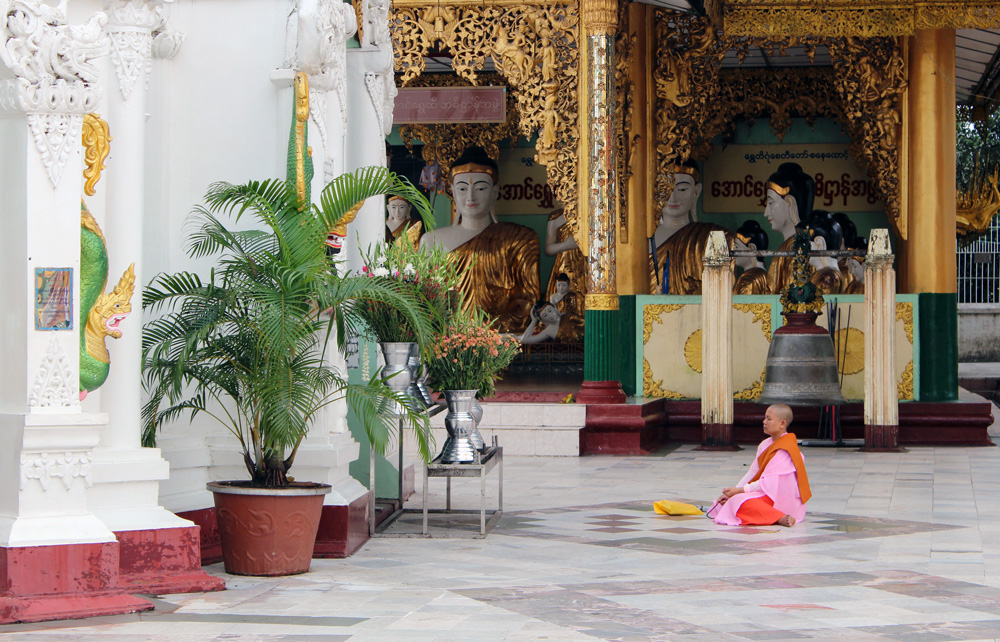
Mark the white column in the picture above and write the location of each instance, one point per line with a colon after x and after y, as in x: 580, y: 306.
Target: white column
x: 881, y: 392
x: 126, y: 490
x: 717, y: 344
x: 46, y: 441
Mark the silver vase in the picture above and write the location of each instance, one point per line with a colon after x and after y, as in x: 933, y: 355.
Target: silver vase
x: 418, y: 376
x: 477, y: 414
x: 459, y: 447
x: 396, y: 372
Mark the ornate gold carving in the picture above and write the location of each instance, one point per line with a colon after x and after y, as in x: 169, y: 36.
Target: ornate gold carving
x: 905, y: 385
x: 979, y: 204
x: 522, y: 38
x: 904, y: 313
x: 651, y: 314
x: 96, y: 147
x: 853, y: 341
x: 692, y: 350
x: 696, y: 100
x: 761, y: 314
x: 752, y: 392
x: 871, y: 80
x: 600, y: 16
x: 625, y: 146
x: 601, y: 301
x: 654, y: 388
x: 852, y: 18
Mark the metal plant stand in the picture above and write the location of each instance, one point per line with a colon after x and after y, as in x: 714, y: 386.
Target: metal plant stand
x: 483, y: 465
x: 372, y: 531
x: 491, y: 458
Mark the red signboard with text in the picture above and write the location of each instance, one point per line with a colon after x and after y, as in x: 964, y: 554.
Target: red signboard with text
x: 430, y: 105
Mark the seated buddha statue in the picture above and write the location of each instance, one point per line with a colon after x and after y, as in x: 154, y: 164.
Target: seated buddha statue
x: 851, y: 267
x: 789, y: 193
x: 498, y: 261
x: 826, y: 234
x: 570, y: 306
x: 680, y: 238
x: 399, y: 222
x: 751, y: 236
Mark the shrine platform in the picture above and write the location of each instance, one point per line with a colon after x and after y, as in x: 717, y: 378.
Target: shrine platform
x: 533, y: 420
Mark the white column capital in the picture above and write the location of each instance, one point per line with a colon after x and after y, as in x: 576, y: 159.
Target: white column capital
x: 49, y: 75
x: 130, y: 30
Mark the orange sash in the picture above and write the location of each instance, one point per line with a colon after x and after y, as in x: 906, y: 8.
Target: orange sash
x: 789, y: 443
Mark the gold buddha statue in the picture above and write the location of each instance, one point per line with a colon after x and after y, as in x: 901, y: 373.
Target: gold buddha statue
x: 400, y: 224
x: 499, y: 261
x: 751, y: 236
x: 681, y: 237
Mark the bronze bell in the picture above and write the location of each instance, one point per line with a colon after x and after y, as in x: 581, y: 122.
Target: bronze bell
x: 801, y: 366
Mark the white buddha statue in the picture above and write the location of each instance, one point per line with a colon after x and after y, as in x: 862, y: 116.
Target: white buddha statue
x: 499, y: 260
x: 681, y: 237
x: 399, y: 223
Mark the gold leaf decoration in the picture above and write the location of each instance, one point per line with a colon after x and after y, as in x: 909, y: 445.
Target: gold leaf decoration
x: 651, y: 388
x: 761, y: 314
x: 533, y: 46
x: 696, y: 100
x: 977, y: 206
x: 853, y: 341
x: 752, y: 392
x: 905, y: 385
x: 692, y: 351
x: 904, y: 313
x: 651, y: 314
x: 96, y: 147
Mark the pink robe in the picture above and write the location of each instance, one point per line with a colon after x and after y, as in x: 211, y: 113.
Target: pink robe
x: 779, y: 482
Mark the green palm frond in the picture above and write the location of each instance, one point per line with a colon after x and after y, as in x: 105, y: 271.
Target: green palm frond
x: 247, y: 346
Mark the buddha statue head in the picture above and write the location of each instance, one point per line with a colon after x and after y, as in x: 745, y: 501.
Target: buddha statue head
x: 750, y: 236
x: 562, y: 284
x: 547, y: 312
x: 849, y: 229
x: 680, y: 208
x: 789, y: 193
x: 826, y: 235
x: 398, y: 209
x: 474, y: 188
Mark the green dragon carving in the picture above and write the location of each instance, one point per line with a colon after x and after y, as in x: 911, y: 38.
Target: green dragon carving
x: 100, y: 313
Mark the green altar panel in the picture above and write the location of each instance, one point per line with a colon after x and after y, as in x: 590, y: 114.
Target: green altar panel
x: 630, y: 348
x: 939, y: 347
x: 601, y: 346
x: 669, y: 342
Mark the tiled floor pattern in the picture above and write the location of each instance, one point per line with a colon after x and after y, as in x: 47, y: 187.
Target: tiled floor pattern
x: 896, y: 547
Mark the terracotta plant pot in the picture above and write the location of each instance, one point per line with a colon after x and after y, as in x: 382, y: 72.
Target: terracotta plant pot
x: 267, y: 531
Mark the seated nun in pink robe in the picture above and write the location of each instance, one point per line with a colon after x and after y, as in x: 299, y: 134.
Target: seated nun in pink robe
x: 776, y: 488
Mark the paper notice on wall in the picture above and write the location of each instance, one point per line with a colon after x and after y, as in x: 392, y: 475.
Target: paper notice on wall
x: 734, y: 177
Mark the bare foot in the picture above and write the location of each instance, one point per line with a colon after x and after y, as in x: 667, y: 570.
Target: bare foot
x: 787, y: 520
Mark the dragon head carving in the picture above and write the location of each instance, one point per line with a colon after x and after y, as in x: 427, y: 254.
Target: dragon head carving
x: 112, y: 308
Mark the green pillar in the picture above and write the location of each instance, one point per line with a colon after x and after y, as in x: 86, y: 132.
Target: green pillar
x: 626, y: 339
x: 603, y: 349
x: 938, y: 346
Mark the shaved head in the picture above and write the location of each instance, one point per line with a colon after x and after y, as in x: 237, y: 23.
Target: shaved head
x: 783, y: 412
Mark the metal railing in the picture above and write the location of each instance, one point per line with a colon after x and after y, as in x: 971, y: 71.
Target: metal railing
x: 979, y: 268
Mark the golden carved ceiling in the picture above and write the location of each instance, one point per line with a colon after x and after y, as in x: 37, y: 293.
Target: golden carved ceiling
x: 533, y: 45
x: 849, y: 18
x: 697, y: 100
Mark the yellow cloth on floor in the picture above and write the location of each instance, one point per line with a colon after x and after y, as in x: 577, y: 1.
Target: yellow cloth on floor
x: 667, y: 507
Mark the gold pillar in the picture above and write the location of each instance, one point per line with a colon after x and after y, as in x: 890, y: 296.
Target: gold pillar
x: 632, y: 257
x: 928, y: 263
x: 598, y: 203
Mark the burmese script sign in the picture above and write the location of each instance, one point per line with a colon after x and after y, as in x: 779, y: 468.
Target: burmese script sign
x: 734, y: 177
x: 524, y: 187
x: 436, y: 105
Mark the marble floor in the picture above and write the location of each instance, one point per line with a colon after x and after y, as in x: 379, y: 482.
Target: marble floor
x: 896, y: 547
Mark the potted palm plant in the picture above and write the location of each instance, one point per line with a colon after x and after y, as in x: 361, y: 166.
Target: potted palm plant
x: 246, y: 347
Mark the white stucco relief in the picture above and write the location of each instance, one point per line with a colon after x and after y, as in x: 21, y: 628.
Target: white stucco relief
x: 54, y: 81
x: 45, y: 467
x: 130, y: 30
x: 56, y: 385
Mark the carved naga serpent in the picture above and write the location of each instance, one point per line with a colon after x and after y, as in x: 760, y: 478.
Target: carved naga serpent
x: 100, y: 313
